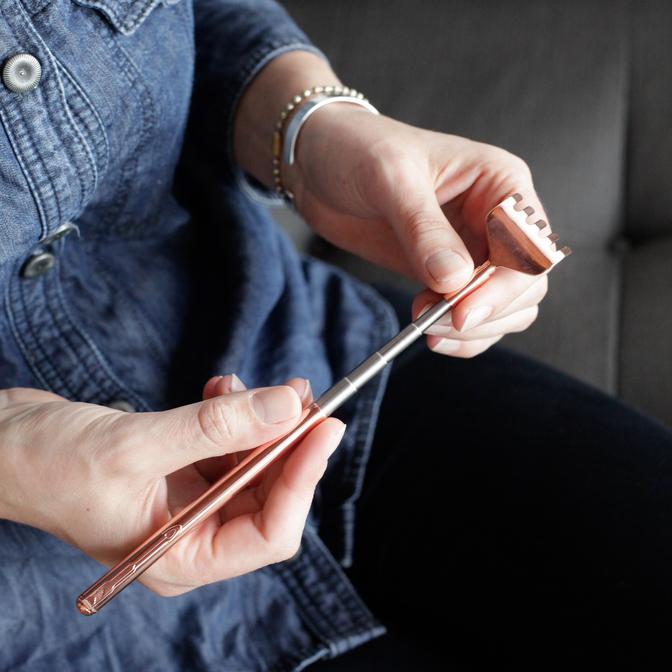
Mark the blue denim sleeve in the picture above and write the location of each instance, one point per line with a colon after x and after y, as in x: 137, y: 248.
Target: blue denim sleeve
x: 235, y: 39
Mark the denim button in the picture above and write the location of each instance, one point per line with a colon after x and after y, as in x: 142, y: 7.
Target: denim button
x: 38, y: 264
x: 22, y: 73
x: 121, y: 405
x: 61, y: 232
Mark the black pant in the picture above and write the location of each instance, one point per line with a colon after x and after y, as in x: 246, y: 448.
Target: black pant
x: 512, y: 516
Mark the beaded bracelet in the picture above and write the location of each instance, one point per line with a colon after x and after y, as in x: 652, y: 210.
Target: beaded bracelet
x: 286, y: 132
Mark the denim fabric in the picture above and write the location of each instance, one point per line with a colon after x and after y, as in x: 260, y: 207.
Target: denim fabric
x: 154, y: 295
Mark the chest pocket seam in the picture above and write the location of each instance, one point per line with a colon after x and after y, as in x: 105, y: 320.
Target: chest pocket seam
x: 99, y: 166
x: 83, y: 350
x: 50, y: 202
x: 114, y: 214
x: 18, y: 153
x: 132, y: 17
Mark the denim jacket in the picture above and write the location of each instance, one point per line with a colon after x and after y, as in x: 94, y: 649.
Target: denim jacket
x: 133, y: 265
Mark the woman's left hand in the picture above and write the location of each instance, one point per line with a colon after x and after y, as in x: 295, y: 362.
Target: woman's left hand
x: 415, y: 201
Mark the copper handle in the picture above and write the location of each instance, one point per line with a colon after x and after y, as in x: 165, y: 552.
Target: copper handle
x: 145, y: 555
x: 141, y: 558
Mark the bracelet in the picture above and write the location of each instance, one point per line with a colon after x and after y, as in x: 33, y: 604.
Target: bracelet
x: 284, y: 144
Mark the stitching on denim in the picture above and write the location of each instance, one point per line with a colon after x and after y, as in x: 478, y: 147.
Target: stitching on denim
x: 57, y: 384
x: 17, y: 335
x: 82, y: 117
x: 36, y: 7
x: 77, y: 127
x: 64, y: 334
x: 347, y: 596
x: 54, y: 123
x: 69, y: 120
x: 351, y: 594
x: 26, y: 139
x: 44, y: 227
x: 111, y: 376
x: 84, y: 191
x: 146, y: 105
x: 297, y: 661
x: 88, y: 103
x: 317, y: 622
x: 39, y: 158
x: 132, y: 19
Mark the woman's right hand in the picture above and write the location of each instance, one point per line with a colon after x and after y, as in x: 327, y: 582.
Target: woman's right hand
x: 104, y: 480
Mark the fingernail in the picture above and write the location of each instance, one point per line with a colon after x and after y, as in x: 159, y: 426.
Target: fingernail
x: 305, y: 395
x: 445, y: 264
x: 475, y: 316
x: 276, y: 404
x: 237, y: 384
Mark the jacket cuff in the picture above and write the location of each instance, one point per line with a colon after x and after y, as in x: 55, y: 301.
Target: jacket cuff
x: 254, y: 65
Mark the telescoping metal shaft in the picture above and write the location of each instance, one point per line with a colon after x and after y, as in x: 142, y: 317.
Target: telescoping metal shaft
x: 223, y: 490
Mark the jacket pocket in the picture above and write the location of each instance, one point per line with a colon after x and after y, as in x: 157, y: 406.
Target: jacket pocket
x: 125, y: 15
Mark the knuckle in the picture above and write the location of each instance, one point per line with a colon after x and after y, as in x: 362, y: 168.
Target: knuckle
x: 542, y: 288
x: 521, y: 166
x: 421, y: 226
x: 533, y: 313
x: 286, y: 550
x: 515, y: 163
x: 469, y: 351
x: 527, y: 316
x: 217, y: 421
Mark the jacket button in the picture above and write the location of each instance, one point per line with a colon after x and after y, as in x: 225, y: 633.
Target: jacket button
x: 61, y: 232
x: 38, y: 264
x: 22, y: 73
x: 121, y: 405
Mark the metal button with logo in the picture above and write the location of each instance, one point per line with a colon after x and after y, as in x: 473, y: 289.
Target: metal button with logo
x: 22, y: 73
x: 38, y: 264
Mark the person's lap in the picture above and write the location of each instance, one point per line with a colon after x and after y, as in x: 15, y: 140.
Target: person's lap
x: 511, y: 515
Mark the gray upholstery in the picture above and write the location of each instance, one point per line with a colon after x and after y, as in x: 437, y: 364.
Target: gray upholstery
x: 583, y: 91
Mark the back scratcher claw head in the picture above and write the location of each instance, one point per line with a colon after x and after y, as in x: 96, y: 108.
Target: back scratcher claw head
x: 519, y: 240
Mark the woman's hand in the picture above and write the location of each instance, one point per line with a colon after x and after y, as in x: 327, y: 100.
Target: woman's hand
x: 415, y: 202
x: 104, y: 480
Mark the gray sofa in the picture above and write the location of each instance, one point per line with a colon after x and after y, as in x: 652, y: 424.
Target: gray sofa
x: 582, y: 90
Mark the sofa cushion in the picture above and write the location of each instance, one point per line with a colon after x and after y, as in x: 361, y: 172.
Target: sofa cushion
x: 645, y: 351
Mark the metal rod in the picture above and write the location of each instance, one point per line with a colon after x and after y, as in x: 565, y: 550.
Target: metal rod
x: 223, y: 490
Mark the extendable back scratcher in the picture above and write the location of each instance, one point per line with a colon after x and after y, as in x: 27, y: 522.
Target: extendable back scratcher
x: 516, y: 240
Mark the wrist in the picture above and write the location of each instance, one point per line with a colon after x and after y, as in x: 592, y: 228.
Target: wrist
x: 260, y: 107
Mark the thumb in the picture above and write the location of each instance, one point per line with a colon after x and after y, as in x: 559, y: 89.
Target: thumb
x: 437, y: 254
x: 26, y: 395
x: 224, y: 424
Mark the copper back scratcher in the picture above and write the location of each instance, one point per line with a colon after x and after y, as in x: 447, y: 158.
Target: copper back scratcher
x: 516, y: 240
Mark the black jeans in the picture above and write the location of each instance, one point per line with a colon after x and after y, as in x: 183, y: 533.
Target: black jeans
x: 512, y: 516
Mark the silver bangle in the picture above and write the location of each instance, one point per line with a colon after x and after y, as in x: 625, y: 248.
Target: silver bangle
x: 304, y: 113
x: 292, y: 118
